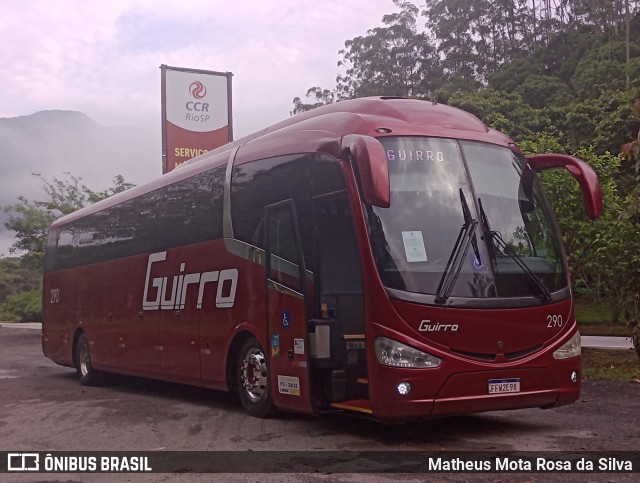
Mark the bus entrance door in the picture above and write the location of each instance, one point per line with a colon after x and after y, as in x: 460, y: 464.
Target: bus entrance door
x: 338, y: 332
x: 286, y: 314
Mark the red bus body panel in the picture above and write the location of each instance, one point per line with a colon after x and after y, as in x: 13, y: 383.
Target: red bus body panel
x: 117, y: 303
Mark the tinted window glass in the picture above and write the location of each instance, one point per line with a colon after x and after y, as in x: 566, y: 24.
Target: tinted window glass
x: 264, y: 182
x: 183, y: 213
x: 283, y: 244
x: 517, y: 220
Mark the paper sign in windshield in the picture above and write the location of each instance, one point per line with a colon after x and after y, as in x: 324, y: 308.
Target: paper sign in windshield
x: 414, y: 246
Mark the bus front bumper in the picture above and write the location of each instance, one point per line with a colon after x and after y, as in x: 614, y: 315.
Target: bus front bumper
x: 469, y: 392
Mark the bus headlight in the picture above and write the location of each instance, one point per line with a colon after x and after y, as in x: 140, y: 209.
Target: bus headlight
x: 571, y: 348
x: 396, y: 354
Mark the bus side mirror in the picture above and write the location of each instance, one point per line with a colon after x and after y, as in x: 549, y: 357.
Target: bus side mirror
x: 371, y: 159
x: 581, y: 171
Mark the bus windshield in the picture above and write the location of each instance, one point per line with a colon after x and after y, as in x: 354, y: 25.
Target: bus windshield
x: 467, y: 219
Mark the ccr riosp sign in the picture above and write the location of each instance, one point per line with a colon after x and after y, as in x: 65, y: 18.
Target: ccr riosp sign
x: 196, y: 113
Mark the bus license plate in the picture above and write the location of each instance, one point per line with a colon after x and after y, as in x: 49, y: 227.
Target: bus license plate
x: 501, y: 386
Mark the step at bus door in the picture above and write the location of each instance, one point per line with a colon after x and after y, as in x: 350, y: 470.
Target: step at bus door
x: 287, y: 333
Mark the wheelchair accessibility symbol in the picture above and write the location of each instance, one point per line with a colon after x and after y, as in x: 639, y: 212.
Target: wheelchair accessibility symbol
x: 286, y: 320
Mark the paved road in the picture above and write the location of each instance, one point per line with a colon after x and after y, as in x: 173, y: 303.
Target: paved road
x: 21, y: 325
x: 606, y: 342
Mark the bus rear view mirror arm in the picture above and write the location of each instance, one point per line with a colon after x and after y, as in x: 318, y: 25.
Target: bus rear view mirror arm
x: 581, y: 171
x: 371, y: 159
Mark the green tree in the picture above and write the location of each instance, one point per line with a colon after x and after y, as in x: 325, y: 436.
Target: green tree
x: 560, y: 57
x: 17, y: 276
x: 321, y: 97
x: 603, y: 255
x: 502, y: 111
x: 630, y: 153
x: 31, y: 219
x: 458, y: 29
x: 604, y: 69
x: 23, y: 307
x: 119, y: 184
x: 606, y: 123
x: 513, y: 74
x: 395, y: 60
x: 540, y: 91
x: 477, y: 38
x: 30, y: 222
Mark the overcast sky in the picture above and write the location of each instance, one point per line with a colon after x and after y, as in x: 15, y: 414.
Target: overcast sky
x: 103, y: 57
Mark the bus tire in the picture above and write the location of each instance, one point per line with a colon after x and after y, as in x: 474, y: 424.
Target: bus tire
x: 253, y: 383
x: 87, y: 375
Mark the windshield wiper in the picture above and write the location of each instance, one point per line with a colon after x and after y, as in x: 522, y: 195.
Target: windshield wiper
x: 469, y: 219
x: 466, y: 237
x: 508, y: 251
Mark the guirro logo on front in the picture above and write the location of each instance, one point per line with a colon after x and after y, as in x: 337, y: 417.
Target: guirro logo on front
x: 427, y: 326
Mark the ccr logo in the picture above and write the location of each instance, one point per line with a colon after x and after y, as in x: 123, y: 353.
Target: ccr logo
x: 197, y: 90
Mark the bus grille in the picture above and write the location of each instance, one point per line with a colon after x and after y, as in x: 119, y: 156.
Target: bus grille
x: 492, y: 357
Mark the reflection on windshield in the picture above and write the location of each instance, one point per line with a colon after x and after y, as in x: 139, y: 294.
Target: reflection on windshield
x: 501, y: 248
x: 414, y: 239
x: 466, y: 237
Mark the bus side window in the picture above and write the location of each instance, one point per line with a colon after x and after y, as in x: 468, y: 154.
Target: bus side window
x: 52, y: 249
x: 339, y: 258
x: 283, y: 244
x: 263, y: 182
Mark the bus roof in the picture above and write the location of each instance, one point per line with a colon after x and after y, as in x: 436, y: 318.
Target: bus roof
x: 321, y: 130
x: 377, y: 116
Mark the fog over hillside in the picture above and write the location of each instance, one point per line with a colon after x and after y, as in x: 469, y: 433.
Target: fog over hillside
x: 55, y: 142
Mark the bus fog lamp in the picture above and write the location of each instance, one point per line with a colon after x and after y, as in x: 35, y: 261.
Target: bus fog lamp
x: 404, y: 388
x: 392, y: 353
x: 571, y: 348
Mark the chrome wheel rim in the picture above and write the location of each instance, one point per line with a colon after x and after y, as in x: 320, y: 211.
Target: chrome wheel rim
x: 85, y: 361
x: 253, y: 374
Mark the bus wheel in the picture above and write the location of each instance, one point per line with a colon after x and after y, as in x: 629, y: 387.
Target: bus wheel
x: 86, y: 373
x: 253, y: 379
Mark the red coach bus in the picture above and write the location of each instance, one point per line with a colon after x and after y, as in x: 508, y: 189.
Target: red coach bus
x: 388, y: 256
